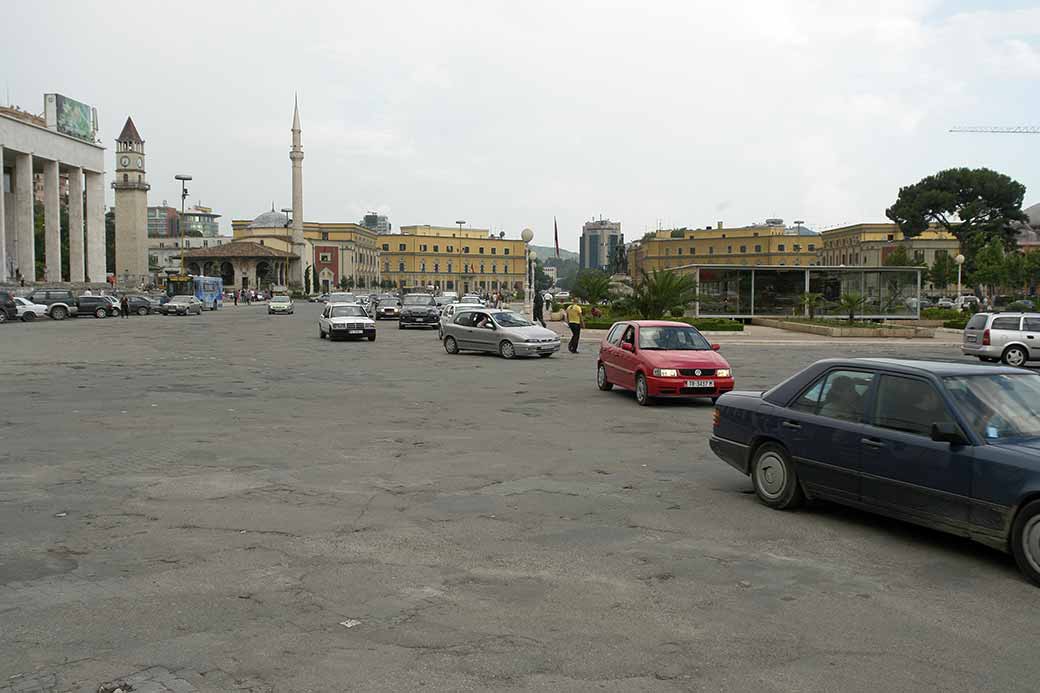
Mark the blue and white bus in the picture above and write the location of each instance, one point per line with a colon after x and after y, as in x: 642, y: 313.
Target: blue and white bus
x: 209, y: 290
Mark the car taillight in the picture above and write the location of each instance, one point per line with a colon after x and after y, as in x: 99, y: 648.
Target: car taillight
x: 985, y: 338
x: 716, y: 416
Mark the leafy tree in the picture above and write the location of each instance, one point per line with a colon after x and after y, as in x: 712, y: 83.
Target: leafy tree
x: 852, y: 303
x: 943, y: 271
x: 360, y: 282
x: 307, y: 280
x: 542, y: 281
x: 592, y: 286
x: 900, y: 257
x: 344, y: 283
x: 975, y: 205
x: 990, y: 269
x: 811, y: 301
x: 659, y: 292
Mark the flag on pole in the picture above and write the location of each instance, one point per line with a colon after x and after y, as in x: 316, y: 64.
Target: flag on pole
x: 556, y: 235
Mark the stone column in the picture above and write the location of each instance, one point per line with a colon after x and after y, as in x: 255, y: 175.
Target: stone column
x: 3, y: 223
x: 51, y: 222
x: 76, y: 224
x: 25, y: 259
x: 95, y: 183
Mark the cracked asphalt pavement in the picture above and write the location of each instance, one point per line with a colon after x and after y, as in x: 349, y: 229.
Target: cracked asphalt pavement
x: 234, y: 504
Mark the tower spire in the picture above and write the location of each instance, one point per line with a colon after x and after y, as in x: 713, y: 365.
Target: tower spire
x: 296, y: 157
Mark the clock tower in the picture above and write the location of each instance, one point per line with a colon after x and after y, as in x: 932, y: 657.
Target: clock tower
x: 131, y: 192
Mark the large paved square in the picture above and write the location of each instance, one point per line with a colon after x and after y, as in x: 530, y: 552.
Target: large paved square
x: 226, y: 502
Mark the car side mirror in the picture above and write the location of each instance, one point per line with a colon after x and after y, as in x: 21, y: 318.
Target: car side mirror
x: 489, y: 326
x: 716, y: 347
x: 628, y: 346
x: 946, y: 432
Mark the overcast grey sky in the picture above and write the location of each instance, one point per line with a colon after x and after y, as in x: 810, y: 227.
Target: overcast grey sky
x: 507, y: 113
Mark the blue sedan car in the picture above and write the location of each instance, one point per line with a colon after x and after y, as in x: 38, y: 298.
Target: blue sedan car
x: 951, y: 446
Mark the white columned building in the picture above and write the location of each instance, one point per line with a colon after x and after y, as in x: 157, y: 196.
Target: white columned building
x: 59, y: 146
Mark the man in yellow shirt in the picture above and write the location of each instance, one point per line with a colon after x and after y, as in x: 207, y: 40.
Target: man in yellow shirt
x: 576, y: 321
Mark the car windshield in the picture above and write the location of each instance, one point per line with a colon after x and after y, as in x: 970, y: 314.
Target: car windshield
x: 418, y: 300
x: 672, y: 339
x: 348, y: 312
x: 998, y: 406
x: 181, y: 299
x: 279, y: 299
x: 342, y: 298
x: 510, y: 319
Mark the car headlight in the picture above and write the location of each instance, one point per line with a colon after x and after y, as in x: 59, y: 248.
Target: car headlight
x: 723, y: 373
x: 665, y: 372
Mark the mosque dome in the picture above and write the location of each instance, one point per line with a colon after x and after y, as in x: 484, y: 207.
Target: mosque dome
x: 1034, y: 215
x: 270, y: 220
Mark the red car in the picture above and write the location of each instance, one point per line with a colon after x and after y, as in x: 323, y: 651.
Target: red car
x: 658, y: 358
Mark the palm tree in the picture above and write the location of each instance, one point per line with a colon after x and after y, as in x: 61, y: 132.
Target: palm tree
x: 659, y: 292
x: 592, y: 286
x: 851, y: 302
x: 811, y: 301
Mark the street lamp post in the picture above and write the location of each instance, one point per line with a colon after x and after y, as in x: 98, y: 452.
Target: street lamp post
x: 526, y: 236
x: 183, y: 178
x: 960, y: 263
x: 531, y: 257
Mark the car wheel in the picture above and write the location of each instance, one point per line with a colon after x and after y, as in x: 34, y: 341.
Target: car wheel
x: 1014, y: 356
x: 450, y: 345
x: 321, y: 333
x: 642, y: 393
x: 3, y: 316
x: 372, y: 338
x: 1025, y: 541
x: 601, y: 379
x: 59, y: 313
x: 774, y: 478
x: 27, y: 316
x: 400, y: 325
x: 142, y: 311
x: 100, y: 313
x: 506, y: 349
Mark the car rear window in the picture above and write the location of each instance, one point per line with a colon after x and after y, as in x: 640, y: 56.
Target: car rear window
x: 977, y: 322
x: 1005, y: 324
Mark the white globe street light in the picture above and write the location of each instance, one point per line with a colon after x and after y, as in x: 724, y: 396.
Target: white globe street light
x: 526, y: 236
x: 960, y: 263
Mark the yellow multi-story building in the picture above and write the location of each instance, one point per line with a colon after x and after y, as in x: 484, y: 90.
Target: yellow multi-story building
x: 451, y: 259
x: 867, y: 245
x: 766, y: 244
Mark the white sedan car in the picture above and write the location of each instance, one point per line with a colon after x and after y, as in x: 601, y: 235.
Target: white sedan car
x: 346, y: 321
x: 29, y: 311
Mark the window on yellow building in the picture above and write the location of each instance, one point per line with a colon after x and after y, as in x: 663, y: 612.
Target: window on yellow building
x: 386, y: 246
x: 729, y: 249
x: 400, y: 267
x: 436, y: 249
x: 812, y: 247
x: 449, y: 268
x: 450, y: 249
x: 436, y: 267
x: 667, y: 251
x: 465, y: 249
x: 506, y: 251
x: 481, y: 250
x: 494, y: 269
x: 797, y: 248
x: 781, y: 248
x: 324, y: 235
x: 422, y: 266
x: 401, y: 247
x: 386, y: 266
x: 679, y: 251
x: 422, y: 248
x: 711, y: 250
x: 758, y: 249
x: 494, y: 251
x: 482, y: 266
x: 743, y: 248
x: 693, y: 250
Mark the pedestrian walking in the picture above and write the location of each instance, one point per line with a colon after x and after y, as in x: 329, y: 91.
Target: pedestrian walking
x: 576, y: 321
x: 236, y: 298
x: 539, y: 305
x: 124, y: 306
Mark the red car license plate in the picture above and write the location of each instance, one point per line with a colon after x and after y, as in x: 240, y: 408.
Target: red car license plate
x: 700, y: 383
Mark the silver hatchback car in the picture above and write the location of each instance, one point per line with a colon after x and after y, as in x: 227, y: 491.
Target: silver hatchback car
x: 503, y: 332
x: 1013, y: 338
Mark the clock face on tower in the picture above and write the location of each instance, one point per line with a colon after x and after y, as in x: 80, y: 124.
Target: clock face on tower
x: 125, y: 161
x: 140, y: 163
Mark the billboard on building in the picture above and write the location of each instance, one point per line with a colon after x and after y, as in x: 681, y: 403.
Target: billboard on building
x: 71, y: 117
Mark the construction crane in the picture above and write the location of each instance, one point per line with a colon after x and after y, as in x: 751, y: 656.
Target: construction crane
x: 1015, y: 129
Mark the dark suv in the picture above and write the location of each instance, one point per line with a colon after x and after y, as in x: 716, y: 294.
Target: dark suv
x: 8, y: 309
x: 98, y: 306
x: 61, y: 303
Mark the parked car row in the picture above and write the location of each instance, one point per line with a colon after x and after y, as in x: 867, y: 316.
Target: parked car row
x: 59, y: 304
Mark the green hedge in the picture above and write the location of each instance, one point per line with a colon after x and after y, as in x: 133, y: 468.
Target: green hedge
x: 704, y: 324
x: 940, y: 314
x: 958, y: 323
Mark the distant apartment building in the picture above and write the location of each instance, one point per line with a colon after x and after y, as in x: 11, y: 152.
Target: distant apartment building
x: 768, y: 243
x: 552, y: 273
x: 164, y: 253
x: 376, y: 222
x: 200, y: 221
x: 162, y: 222
x: 600, y: 239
